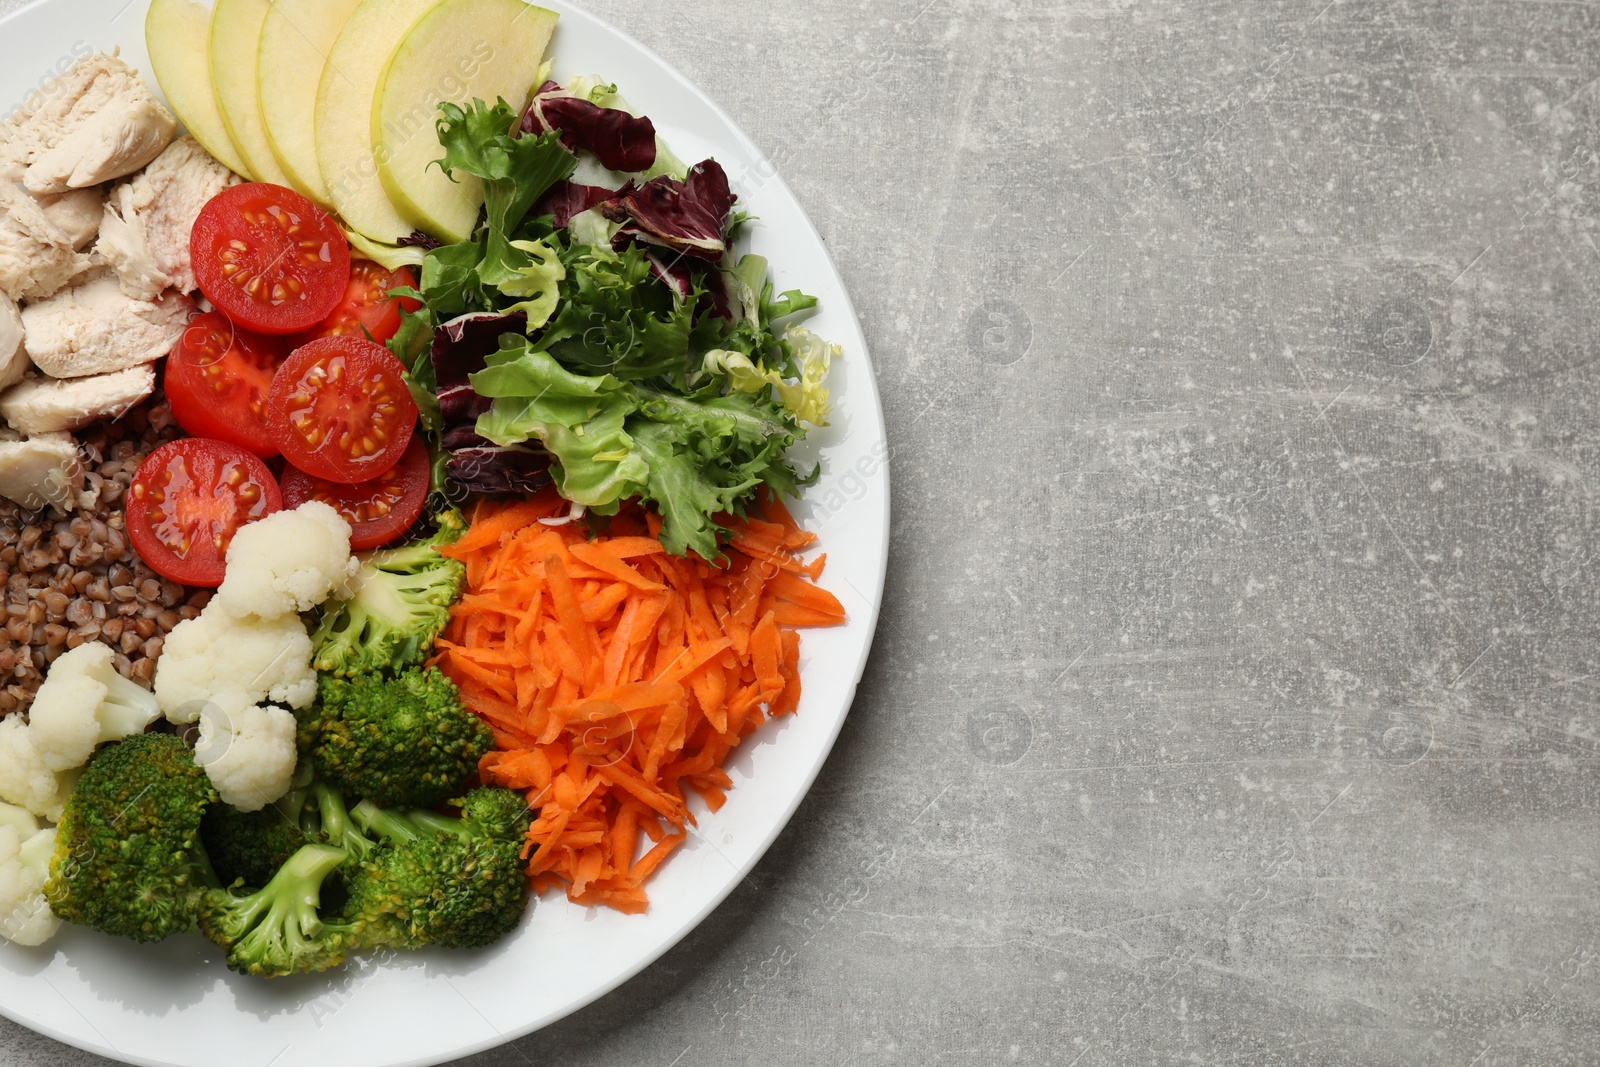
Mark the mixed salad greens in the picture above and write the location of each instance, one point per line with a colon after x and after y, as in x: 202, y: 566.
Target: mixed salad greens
x: 614, y: 328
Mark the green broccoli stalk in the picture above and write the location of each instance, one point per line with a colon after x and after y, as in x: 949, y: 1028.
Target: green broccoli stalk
x: 399, y: 600
x: 334, y: 824
x: 398, y: 742
x: 488, y: 814
x: 456, y: 883
x: 128, y: 858
x: 278, y: 929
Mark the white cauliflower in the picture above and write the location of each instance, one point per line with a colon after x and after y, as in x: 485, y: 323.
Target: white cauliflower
x: 247, y: 750
x: 264, y: 659
x: 286, y: 563
x: 21, y: 819
x: 25, y: 916
x: 83, y: 703
x: 25, y: 779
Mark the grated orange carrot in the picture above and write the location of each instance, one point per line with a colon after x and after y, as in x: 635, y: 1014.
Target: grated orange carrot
x: 618, y: 678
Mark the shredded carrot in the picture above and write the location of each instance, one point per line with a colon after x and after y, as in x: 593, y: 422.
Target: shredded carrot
x: 618, y: 678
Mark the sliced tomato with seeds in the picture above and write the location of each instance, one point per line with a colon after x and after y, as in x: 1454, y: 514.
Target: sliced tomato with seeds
x: 187, y: 501
x: 269, y: 259
x: 217, y: 381
x: 378, y: 511
x: 340, y: 410
x: 367, y: 307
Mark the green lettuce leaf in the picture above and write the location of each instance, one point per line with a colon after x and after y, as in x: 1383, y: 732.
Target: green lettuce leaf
x: 529, y: 387
x: 578, y: 419
x: 450, y: 279
x: 615, y: 320
x: 516, y: 172
x: 537, y: 279
x: 807, y: 398
x: 599, y: 465
x: 706, y: 457
x: 694, y: 457
x: 390, y: 257
x: 412, y: 345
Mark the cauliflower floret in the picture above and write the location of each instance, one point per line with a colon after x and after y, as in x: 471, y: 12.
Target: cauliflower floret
x: 286, y: 563
x: 19, y: 819
x: 25, y: 916
x: 247, y: 750
x: 84, y: 703
x: 264, y: 659
x: 25, y: 779
x: 249, y: 642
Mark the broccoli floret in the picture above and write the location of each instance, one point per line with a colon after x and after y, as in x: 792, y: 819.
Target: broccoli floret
x: 128, y: 858
x: 398, y: 742
x: 399, y: 600
x: 249, y: 847
x: 489, y: 812
x: 278, y: 930
x: 456, y: 883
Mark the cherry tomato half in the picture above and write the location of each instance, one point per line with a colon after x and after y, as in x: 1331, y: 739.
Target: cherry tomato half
x: 217, y: 381
x: 367, y: 305
x: 340, y: 410
x: 378, y: 511
x: 269, y: 259
x: 187, y: 501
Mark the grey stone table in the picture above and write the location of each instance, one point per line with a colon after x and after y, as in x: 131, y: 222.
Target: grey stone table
x: 1235, y: 699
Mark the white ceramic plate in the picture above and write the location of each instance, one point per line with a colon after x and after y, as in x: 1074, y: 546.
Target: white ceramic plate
x: 174, y: 1003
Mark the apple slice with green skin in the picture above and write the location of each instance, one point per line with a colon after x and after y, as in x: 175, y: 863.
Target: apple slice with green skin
x: 343, y: 128
x: 459, y: 50
x: 176, y: 34
x: 234, y: 45
x: 295, y: 39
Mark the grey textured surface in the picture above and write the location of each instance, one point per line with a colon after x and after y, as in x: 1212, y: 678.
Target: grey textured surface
x: 1235, y: 697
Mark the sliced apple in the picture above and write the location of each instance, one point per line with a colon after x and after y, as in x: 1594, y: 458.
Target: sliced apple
x: 295, y: 39
x: 175, y: 35
x: 459, y: 50
x: 235, y: 43
x: 343, y: 129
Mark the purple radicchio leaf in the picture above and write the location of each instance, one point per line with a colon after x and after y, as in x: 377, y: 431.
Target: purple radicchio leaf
x: 674, y: 271
x: 719, y: 296
x: 565, y: 200
x: 620, y: 141
x: 481, y: 466
x: 690, y: 217
x: 419, y: 240
x: 461, y: 347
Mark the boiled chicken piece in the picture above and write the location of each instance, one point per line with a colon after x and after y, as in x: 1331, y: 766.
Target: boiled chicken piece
x: 42, y: 470
x: 76, y: 213
x: 45, y: 405
x: 97, y: 122
x: 95, y: 328
x: 37, y: 257
x: 14, y: 362
x: 145, y: 232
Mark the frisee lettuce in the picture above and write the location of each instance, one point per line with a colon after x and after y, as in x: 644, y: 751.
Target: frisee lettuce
x: 516, y: 172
